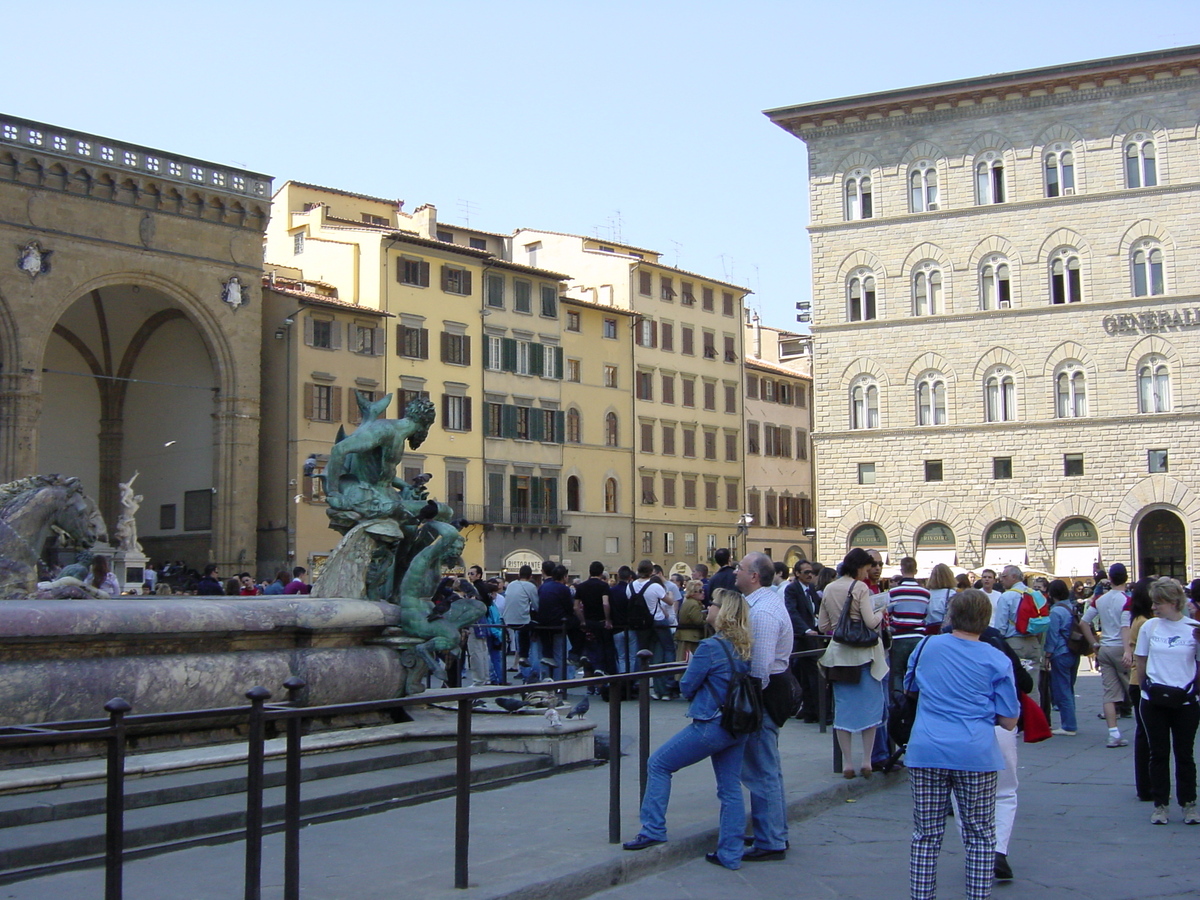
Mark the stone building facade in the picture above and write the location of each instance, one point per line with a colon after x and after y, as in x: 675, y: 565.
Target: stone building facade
x: 1006, y: 299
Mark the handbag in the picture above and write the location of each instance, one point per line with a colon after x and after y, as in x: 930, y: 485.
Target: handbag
x: 844, y: 674
x: 742, y: 711
x: 782, y: 698
x: 1166, y: 695
x: 1033, y: 722
x: 903, y: 710
x: 852, y: 633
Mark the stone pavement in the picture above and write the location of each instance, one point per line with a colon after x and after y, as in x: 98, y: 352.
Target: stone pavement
x: 1080, y: 834
x: 543, y: 838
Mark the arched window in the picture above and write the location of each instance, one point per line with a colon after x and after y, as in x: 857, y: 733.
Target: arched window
x: 999, y: 395
x: 1060, y: 171
x: 1066, y: 285
x: 860, y: 295
x: 989, y: 178
x: 1154, y: 385
x: 1070, y: 390
x: 858, y: 195
x: 922, y: 186
x: 995, y: 286
x: 864, y: 403
x: 573, y: 493
x: 931, y: 399
x: 610, y: 495
x: 574, y: 427
x: 927, y: 289
x: 611, y: 434
x: 1141, y: 162
x: 1147, y: 262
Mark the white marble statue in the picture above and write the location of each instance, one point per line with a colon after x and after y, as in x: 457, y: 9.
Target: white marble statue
x: 126, y: 530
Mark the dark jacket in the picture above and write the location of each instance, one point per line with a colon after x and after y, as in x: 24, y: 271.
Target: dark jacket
x: 726, y: 577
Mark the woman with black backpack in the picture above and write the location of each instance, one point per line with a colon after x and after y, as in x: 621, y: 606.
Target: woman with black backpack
x: 706, y: 684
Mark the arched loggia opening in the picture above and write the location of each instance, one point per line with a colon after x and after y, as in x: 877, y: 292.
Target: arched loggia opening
x: 1162, y: 545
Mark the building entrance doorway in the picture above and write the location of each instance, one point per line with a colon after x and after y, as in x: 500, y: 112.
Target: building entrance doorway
x: 1162, y: 545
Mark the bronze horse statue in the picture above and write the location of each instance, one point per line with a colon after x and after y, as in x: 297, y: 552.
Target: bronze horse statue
x: 30, y: 508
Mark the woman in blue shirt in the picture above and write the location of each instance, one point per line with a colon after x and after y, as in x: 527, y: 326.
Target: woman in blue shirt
x: 966, y: 688
x: 705, y: 684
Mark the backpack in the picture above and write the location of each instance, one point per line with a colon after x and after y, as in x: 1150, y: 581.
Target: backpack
x: 1032, y: 617
x: 638, y: 616
x: 742, y: 711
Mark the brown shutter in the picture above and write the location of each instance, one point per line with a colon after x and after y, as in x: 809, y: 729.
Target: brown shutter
x: 399, y: 340
x: 466, y: 284
x: 335, y: 404
x: 445, y: 278
x: 309, y: 392
x: 653, y: 334
x: 445, y: 410
x: 466, y: 413
x: 308, y: 330
x: 424, y: 343
x: 380, y: 341
x: 353, y: 413
x: 466, y: 345
x: 424, y: 275
x: 445, y: 346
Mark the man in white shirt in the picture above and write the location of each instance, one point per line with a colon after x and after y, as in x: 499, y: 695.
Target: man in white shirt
x: 1107, y: 608
x: 658, y: 638
x: 987, y: 584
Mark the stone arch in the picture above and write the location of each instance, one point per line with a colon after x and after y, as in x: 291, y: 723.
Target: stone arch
x: 865, y: 365
x: 858, y: 159
x: 930, y: 511
x: 919, y: 150
x: 1138, y: 121
x: 1064, y: 237
x: 988, y: 140
x: 1155, y: 492
x: 1059, y: 131
x: 866, y: 513
x: 861, y: 259
x: 1076, y: 507
x: 1152, y: 343
x: 997, y: 509
x: 998, y: 356
x: 1069, y: 350
x: 1145, y: 228
x: 996, y: 244
x: 924, y: 251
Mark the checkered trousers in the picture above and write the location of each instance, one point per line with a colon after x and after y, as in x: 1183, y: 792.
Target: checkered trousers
x: 976, y: 795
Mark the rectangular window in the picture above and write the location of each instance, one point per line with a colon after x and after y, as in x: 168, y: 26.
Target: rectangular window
x: 610, y: 376
x: 710, y: 395
x: 1072, y: 464
x: 689, y: 543
x: 323, y: 402
x: 456, y: 413
x: 522, y: 431
x: 647, y: 542
x: 647, y: 431
x: 687, y: 340
x: 801, y: 443
x: 166, y: 517
x: 610, y: 329
x: 710, y: 445
x: 710, y: 495
x: 322, y: 334
x: 668, y: 440
x: 573, y: 370
x: 669, y: 543
x: 412, y: 271
x: 574, y: 543
x: 668, y: 336
x: 688, y: 290
x: 495, y: 291
x: 726, y: 303
x: 731, y: 444
x: 368, y: 340
x: 1001, y: 467
x: 493, y: 353
x: 522, y: 366
x: 668, y: 489
x: 866, y: 473
x: 768, y: 390
x: 707, y: 295
x: 933, y: 470
x: 645, y: 284
x: 689, y: 392
x: 522, y: 294
x: 754, y: 505
x: 668, y: 389
x: 801, y: 396
x: 1156, y: 461
x: 645, y: 385
x: 445, y: 237
x: 647, y: 333
x: 477, y: 243
x: 666, y: 288
x: 495, y: 419
x: 752, y: 445
x: 549, y: 301
x: 612, y: 545
x: 731, y: 398
x: 689, y: 442
x: 456, y: 349
x: 573, y: 321
x: 197, y: 510
x: 752, y: 387
x: 689, y: 493
x: 298, y: 243
x: 456, y: 281
x: 648, y: 497
x: 710, y: 345
x: 412, y: 342
x: 552, y: 426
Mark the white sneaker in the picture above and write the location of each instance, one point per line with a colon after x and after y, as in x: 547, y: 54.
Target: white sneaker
x: 1159, y: 816
x: 1063, y: 731
x: 1190, y: 816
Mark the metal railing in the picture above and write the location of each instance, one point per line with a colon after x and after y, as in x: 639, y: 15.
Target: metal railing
x: 113, y: 732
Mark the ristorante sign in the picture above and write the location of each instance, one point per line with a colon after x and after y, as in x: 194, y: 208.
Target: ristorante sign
x: 1152, y: 322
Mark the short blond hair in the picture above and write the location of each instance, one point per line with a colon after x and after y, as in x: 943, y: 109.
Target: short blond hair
x: 1168, y: 589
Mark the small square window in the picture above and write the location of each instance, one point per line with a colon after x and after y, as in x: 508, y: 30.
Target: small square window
x: 1001, y: 467
x: 933, y: 470
x: 610, y: 329
x: 478, y: 243
x: 866, y: 473
x: 575, y: 543
x: 573, y: 321
x: 1072, y: 464
x: 1156, y: 461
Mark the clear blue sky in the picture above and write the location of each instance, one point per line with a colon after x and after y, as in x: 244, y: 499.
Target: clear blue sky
x: 567, y: 116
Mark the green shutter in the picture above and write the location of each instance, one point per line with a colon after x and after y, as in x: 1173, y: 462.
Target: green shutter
x: 560, y: 429
x: 537, y: 358
x: 558, y: 363
x: 508, y: 354
x: 536, y: 420
x: 552, y: 499
x: 495, y: 493
x: 512, y: 491
x: 535, y: 494
x: 487, y: 345
x: 508, y: 423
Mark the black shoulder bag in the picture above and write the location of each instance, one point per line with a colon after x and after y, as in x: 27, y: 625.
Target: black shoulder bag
x: 742, y: 711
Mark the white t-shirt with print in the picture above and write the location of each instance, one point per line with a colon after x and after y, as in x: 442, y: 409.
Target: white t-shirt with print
x: 1171, y: 651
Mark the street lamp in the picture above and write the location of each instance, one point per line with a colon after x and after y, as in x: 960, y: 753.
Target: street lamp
x: 745, y: 520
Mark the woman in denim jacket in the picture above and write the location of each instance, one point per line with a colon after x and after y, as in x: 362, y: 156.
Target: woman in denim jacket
x: 705, y: 684
x: 1062, y: 663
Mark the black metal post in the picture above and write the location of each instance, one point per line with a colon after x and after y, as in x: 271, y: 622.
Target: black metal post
x: 114, y: 801
x: 644, y: 657
x: 614, y: 761
x: 563, y: 638
x: 462, y: 795
x: 254, y: 792
x: 291, y: 796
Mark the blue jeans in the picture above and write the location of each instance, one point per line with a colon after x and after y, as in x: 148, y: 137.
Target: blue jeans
x: 762, y: 774
x: 1063, y: 667
x: 660, y: 640
x: 694, y: 743
x: 626, y: 643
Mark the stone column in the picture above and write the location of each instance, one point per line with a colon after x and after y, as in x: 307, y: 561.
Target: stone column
x: 112, y: 443
x: 235, y: 477
x: 20, y: 415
